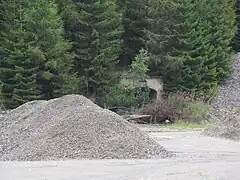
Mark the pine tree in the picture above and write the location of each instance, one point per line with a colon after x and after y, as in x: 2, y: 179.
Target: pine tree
x: 17, y: 68
x: 223, y: 29
x: 135, y: 20
x: 120, y: 4
x: 186, y: 45
x: 49, y: 47
x: 95, y: 29
x: 35, y: 60
x: 236, y: 40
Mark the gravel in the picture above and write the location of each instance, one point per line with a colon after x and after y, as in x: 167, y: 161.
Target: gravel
x: 227, y: 125
x: 72, y: 127
x: 228, y: 96
x: 225, y: 107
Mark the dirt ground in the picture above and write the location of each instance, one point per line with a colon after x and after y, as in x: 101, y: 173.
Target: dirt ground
x: 198, y: 158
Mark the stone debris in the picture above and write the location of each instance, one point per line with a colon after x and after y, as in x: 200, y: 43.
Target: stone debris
x: 227, y: 125
x: 228, y: 96
x: 226, y: 106
x: 72, y: 127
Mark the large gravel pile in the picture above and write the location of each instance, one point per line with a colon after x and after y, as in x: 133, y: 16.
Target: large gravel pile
x: 71, y: 127
x: 229, y: 94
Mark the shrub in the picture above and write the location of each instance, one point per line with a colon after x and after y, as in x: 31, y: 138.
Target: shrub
x: 178, y: 106
x: 198, y: 111
x: 119, y: 95
x: 131, y: 95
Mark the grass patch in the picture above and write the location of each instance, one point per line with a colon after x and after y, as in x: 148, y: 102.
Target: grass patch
x: 179, y: 126
x: 186, y: 125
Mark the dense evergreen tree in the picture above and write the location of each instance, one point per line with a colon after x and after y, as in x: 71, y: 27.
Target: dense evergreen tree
x: 95, y: 29
x: 223, y: 29
x: 17, y: 68
x: 31, y: 44
x: 49, y: 47
x: 135, y: 20
x: 186, y: 44
x: 236, y: 40
x: 120, y: 4
x: 188, y: 40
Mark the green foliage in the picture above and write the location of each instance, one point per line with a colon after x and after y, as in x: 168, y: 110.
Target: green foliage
x: 46, y: 32
x: 190, y: 43
x: 236, y: 40
x: 17, y: 68
x: 198, y: 111
x: 121, y: 5
x: 183, y: 125
x: 1, y: 98
x: 95, y: 29
x: 119, y: 95
x: 32, y: 44
x: 131, y: 95
x: 134, y: 21
x: 178, y: 106
x: 223, y: 30
x: 139, y: 67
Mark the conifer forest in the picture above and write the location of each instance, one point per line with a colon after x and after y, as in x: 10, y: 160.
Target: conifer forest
x: 49, y: 48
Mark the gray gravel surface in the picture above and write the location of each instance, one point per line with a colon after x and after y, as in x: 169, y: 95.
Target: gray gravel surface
x: 229, y: 93
x: 226, y: 125
x: 72, y: 127
x: 225, y: 107
x: 198, y: 158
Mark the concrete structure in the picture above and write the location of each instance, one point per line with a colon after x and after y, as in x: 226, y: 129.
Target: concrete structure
x: 154, y: 83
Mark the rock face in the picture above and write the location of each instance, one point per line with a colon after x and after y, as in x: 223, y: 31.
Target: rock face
x: 72, y: 127
x: 229, y: 94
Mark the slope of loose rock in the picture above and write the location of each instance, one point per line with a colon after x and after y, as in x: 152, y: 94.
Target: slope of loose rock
x: 227, y: 125
x: 226, y: 106
x: 72, y: 127
x: 228, y: 96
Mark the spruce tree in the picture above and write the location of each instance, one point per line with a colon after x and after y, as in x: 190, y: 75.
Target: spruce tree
x: 35, y: 60
x: 17, y: 68
x: 236, y: 40
x: 135, y: 20
x: 49, y: 48
x: 186, y: 46
x: 95, y: 29
x: 223, y: 29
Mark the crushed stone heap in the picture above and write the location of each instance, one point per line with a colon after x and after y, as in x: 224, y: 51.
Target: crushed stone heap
x: 226, y: 106
x: 227, y: 125
x: 228, y: 96
x: 72, y: 127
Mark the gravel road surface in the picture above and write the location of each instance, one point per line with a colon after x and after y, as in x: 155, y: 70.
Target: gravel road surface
x: 198, y: 158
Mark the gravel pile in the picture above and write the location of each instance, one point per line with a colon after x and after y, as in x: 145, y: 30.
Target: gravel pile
x: 229, y: 93
x: 225, y: 107
x: 72, y: 127
x: 227, y: 125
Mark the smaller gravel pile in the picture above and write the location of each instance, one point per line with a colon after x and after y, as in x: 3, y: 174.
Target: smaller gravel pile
x: 227, y: 125
x: 72, y: 127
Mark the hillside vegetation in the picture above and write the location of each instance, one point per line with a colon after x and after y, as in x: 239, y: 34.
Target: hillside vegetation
x: 49, y: 48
